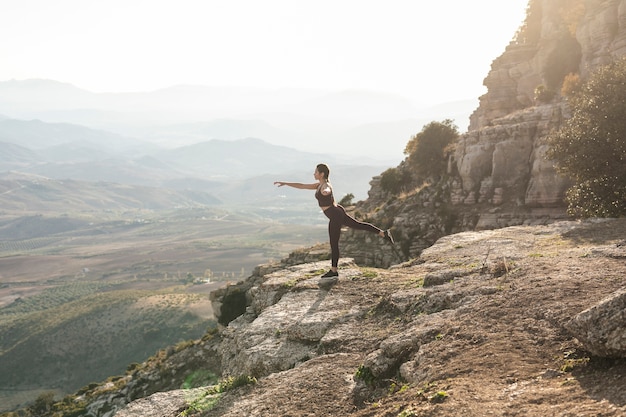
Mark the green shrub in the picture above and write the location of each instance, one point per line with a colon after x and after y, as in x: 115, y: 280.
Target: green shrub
x: 346, y: 200
x: 427, y: 151
x: 393, y: 180
x: 43, y: 404
x: 365, y: 374
x: 231, y: 383
x: 590, y: 147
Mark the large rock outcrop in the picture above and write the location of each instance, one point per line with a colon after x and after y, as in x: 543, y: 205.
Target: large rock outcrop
x: 602, y: 328
x: 477, y: 326
x: 498, y: 174
x: 502, y: 156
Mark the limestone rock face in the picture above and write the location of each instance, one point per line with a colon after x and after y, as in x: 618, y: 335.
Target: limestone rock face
x: 502, y: 156
x: 602, y: 328
x: 448, y: 319
x: 499, y: 174
x: 286, y: 321
x: 602, y: 34
x: 506, y: 162
x: 162, y: 404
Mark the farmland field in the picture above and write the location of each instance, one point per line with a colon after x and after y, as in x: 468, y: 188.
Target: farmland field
x: 84, y: 295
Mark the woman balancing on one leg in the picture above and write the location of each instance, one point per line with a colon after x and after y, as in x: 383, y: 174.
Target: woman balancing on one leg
x: 335, y: 213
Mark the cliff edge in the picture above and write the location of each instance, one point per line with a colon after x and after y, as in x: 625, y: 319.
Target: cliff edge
x: 483, y: 323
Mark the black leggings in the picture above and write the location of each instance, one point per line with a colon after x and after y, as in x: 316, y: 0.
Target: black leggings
x: 338, y: 218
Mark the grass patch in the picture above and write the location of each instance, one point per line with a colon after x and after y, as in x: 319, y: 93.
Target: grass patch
x: 365, y: 374
x: 205, y: 401
x: 570, y: 364
x: 369, y: 273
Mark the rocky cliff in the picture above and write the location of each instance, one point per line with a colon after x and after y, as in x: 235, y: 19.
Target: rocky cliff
x: 518, y: 321
x: 502, y: 157
x: 511, y: 313
x: 498, y: 174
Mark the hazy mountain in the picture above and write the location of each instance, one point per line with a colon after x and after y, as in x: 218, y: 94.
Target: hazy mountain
x: 13, y: 156
x: 33, y: 193
x: 37, y: 94
x: 36, y: 134
x: 204, y: 102
x: 306, y: 119
x: 224, y: 168
x: 223, y: 129
x: 239, y: 158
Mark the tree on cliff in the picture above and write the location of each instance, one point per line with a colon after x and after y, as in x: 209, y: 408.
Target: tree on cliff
x: 426, y: 150
x: 590, y: 147
x: 427, y: 156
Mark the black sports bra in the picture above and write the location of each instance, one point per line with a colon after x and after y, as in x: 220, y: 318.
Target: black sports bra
x: 325, y: 200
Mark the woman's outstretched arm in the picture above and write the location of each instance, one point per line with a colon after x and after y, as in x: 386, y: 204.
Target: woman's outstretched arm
x: 298, y: 185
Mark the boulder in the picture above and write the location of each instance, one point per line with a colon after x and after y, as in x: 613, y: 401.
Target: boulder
x: 602, y: 328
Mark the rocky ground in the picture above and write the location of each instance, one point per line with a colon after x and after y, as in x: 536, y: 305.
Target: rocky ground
x: 475, y: 327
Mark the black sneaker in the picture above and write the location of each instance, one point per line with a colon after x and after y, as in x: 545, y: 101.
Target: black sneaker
x: 330, y: 274
x: 388, y: 236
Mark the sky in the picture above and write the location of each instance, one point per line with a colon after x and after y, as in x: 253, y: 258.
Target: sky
x: 431, y: 51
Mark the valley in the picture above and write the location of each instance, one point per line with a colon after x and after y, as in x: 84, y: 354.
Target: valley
x: 118, y: 220
x: 84, y: 294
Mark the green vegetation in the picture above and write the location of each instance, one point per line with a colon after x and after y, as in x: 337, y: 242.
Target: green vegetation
x: 590, y: 148
x: 544, y: 94
x: 572, y: 360
x: 395, y: 180
x: 569, y: 364
x: 530, y: 31
x: 199, y: 378
x: 346, y: 200
x: 105, y: 289
x: 427, y: 150
x: 564, y: 58
x: 54, y: 297
x: 438, y: 397
x: 208, y: 399
x: 570, y: 12
x: 369, y: 273
x: 363, y: 373
x: 430, y: 393
x: 103, y: 332
x: 426, y: 160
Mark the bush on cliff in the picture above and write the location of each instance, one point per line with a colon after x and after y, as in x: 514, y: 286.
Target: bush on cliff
x: 590, y: 147
x: 427, y: 150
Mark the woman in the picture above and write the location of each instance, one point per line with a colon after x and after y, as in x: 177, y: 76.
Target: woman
x: 335, y: 213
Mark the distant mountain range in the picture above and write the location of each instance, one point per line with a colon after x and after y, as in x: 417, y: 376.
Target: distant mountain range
x: 233, y: 172
x: 30, y: 193
x: 348, y: 124
x: 230, y: 143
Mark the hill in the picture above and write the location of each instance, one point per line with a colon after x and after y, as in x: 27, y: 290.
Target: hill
x: 68, y: 335
x: 104, y: 275
x: 475, y: 323
x: 227, y: 169
x: 476, y: 326
x: 27, y: 193
x: 187, y: 114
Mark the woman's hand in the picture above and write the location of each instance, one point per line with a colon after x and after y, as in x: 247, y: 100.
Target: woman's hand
x: 279, y: 183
